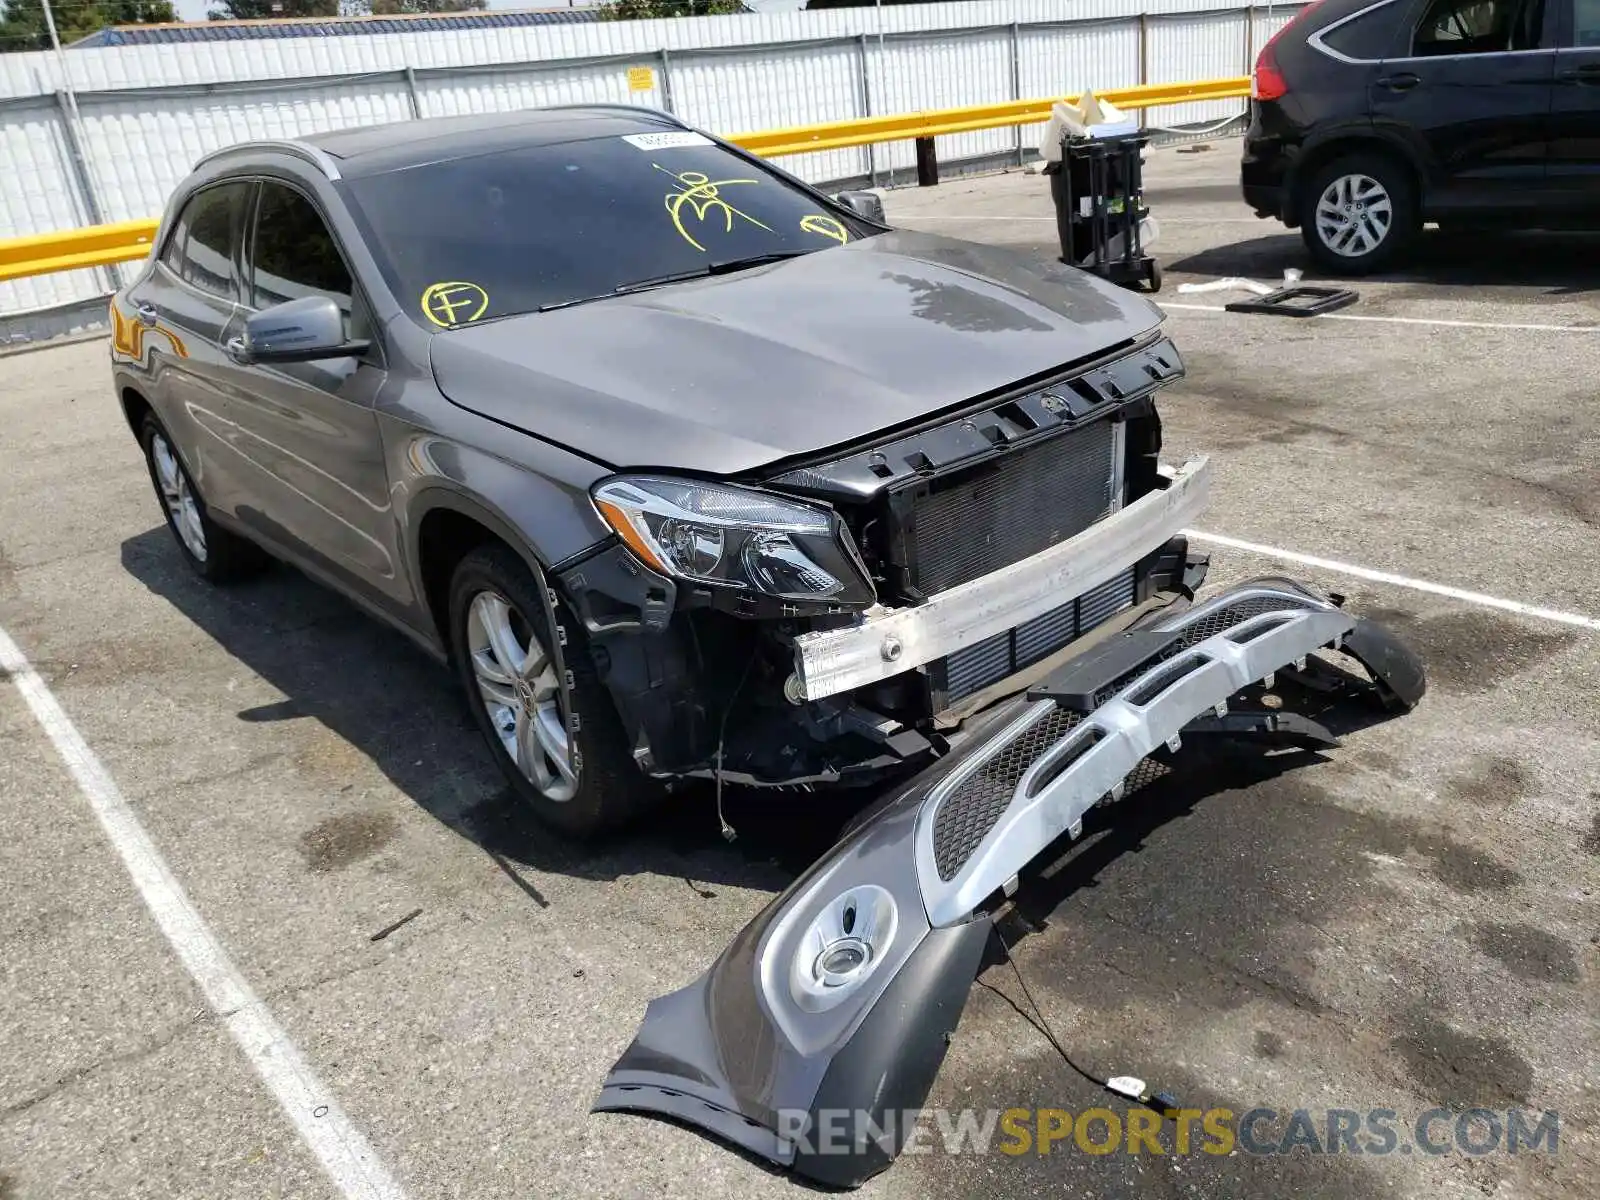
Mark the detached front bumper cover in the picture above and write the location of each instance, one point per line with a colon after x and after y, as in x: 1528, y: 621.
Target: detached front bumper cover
x: 825, y: 1021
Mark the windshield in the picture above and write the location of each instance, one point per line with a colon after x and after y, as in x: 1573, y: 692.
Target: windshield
x: 515, y: 231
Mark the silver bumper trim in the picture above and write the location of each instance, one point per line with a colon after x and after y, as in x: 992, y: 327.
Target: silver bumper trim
x: 1111, y: 741
x: 888, y: 642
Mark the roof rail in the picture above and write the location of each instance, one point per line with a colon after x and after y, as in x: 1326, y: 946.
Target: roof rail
x: 317, y: 157
x: 633, y: 110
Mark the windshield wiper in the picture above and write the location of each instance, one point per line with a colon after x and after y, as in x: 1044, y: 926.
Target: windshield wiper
x: 726, y: 267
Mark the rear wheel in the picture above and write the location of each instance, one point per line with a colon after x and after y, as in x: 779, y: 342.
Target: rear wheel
x: 215, y: 554
x: 1358, y: 214
x: 576, y: 775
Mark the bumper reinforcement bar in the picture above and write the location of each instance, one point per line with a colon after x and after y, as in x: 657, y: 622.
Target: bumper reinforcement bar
x: 889, y: 641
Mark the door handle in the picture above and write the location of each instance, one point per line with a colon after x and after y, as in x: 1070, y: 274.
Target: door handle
x: 1581, y: 75
x: 147, y: 314
x: 1403, y: 82
x: 236, y: 350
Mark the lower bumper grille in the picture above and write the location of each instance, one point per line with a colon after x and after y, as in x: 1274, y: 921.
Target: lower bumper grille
x: 976, y: 805
x: 975, y: 667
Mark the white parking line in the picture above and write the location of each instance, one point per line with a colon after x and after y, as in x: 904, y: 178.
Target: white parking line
x: 1339, y: 316
x: 341, y: 1149
x: 1403, y: 581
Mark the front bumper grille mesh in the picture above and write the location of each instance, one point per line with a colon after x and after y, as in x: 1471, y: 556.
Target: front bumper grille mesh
x: 967, y: 815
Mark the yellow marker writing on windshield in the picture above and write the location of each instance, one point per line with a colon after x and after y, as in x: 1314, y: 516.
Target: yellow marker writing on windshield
x: 454, y: 303
x: 828, y: 227
x: 699, y: 192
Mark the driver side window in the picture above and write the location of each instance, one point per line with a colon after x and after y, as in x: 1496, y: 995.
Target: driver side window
x: 1454, y: 27
x: 294, y: 255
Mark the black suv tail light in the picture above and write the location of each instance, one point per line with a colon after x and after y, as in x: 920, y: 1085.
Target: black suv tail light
x: 1267, y: 82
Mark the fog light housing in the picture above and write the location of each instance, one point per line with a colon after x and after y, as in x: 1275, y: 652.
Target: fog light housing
x: 842, y: 946
x: 840, y: 961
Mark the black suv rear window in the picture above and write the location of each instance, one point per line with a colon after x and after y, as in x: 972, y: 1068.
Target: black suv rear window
x: 1457, y: 27
x: 1368, y: 36
x: 513, y: 231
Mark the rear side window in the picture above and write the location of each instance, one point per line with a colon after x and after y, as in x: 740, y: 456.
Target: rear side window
x: 1367, y: 36
x: 172, y: 256
x: 1478, y: 27
x: 295, y: 254
x: 202, y: 248
x: 1586, y: 23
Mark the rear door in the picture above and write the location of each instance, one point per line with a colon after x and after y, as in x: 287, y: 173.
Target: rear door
x: 1472, y: 91
x: 184, y: 310
x: 1575, y: 113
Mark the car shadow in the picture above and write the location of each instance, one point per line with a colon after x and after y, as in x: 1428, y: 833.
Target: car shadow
x: 1556, y: 263
x: 394, y: 705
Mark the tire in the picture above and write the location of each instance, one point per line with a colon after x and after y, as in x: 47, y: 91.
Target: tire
x: 215, y: 554
x: 1342, y: 207
x: 595, y: 787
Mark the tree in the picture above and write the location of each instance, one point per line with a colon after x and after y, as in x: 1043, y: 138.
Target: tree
x: 388, y: 8
x: 265, y: 10
x: 644, y: 10
x: 23, y: 27
x: 257, y: 10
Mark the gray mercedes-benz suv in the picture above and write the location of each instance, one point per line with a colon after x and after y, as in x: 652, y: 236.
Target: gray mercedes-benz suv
x: 688, y: 469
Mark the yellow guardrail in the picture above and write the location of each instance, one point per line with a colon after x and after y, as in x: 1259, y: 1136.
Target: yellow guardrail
x: 125, y: 241
x: 862, y: 131
x: 70, y: 249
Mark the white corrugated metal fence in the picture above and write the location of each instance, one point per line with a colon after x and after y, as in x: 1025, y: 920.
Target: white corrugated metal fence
x: 144, y: 114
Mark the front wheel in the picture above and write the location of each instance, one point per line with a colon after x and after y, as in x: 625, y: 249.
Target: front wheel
x: 573, y: 771
x: 1358, y: 214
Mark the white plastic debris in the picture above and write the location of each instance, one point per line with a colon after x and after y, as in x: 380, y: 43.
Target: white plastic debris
x: 1090, y: 116
x: 1291, y: 277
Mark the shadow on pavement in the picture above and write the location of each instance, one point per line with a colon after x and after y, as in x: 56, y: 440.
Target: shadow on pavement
x: 394, y: 705
x: 1557, y: 263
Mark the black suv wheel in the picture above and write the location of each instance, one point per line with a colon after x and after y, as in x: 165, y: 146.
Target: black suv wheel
x: 577, y: 777
x: 1358, y: 214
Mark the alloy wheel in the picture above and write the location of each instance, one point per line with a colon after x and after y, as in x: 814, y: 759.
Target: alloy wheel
x: 517, y: 684
x: 1354, y: 215
x: 178, y: 496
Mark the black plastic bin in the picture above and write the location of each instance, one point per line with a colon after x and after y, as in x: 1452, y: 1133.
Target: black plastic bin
x: 1098, y: 189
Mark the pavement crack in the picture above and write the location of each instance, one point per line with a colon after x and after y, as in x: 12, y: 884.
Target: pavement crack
x: 88, y: 1070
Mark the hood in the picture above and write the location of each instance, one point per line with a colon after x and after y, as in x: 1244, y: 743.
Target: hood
x: 726, y: 374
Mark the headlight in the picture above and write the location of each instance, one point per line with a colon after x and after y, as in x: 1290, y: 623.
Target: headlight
x: 738, y: 538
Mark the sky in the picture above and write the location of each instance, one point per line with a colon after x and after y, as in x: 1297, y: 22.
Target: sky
x: 195, y: 10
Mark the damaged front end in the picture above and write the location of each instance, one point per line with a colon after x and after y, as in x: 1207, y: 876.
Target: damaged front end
x: 839, y: 619
x: 839, y: 998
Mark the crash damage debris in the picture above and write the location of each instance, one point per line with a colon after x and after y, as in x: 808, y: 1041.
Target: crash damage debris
x: 843, y: 993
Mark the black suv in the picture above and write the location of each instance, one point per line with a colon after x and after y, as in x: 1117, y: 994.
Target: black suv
x: 1367, y: 119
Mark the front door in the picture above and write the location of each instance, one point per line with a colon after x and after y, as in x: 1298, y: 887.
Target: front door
x: 1473, y: 89
x: 314, y: 483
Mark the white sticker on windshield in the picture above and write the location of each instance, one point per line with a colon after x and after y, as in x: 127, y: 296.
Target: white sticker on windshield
x: 665, y: 141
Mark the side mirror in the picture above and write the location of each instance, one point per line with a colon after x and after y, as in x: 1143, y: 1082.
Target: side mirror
x: 302, y: 330
x: 863, y: 204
